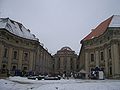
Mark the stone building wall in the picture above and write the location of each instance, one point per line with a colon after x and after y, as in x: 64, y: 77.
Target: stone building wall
x: 101, y: 48
x: 21, y: 54
x: 65, y: 61
x: 103, y: 52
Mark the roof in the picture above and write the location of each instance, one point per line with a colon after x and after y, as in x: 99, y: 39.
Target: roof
x: 66, y: 48
x: 16, y: 28
x: 113, y: 21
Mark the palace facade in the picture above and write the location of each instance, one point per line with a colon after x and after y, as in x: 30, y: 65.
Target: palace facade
x: 65, y: 61
x: 101, y: 48
x: 21, y: 51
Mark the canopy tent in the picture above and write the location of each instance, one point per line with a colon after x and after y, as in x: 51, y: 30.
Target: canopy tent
x: 83, y: 71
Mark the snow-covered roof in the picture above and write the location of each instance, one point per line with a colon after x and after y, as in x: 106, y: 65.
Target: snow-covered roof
x: 115, y: 22
x: 16, y: 28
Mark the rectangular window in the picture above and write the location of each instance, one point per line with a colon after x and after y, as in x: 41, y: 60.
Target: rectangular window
x: 59, y: 63
x: 65, y: 63
x: 110, y: 70
x: 71, y: 63
x: 5, y: 52
x: 92, y: 57
x: 77, y: 66
x: 26, y: 56
x: 109, y: 53
x: 15, y: 55
x: 101, y: 56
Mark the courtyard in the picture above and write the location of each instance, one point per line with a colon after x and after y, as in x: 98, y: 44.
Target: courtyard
x: 22, y: 83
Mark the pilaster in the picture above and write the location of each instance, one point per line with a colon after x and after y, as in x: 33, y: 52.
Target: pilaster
x: 10, y: 57
x: 115, y: 60
x: 31, y: 61
x: 1, y: 54
x: 86, y: 64
x: 61, y: 64
x: 106, y: 63
x: 97, y: 58
x: 20, y: 59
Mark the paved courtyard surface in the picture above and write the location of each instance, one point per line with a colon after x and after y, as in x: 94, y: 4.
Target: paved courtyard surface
x: 19, y: 83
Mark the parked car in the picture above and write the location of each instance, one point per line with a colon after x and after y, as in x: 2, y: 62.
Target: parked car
x: 32, y: 77
x: 40, y: 77
x: 52, y: 78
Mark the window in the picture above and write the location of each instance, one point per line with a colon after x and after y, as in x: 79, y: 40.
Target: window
x: 109, y: 53
x: 4, y: 66
x: 100, y: 41
x: 3, y: 69
x: 7, y: 38
x: 59, y: 63
x: 25, y: 56
x: 101, y: 56
x: 110, y: 70
x: 77, y: 66
x: 15, y: 55
x: 65, y: 63
x: 5, y: 52
x: 71, y: 63
x: 17, y: 41
x: 92, y: 57
x: 14, y: 68
x: 25, y: 68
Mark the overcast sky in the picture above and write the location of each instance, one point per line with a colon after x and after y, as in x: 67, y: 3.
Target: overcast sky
x: 59, y: 23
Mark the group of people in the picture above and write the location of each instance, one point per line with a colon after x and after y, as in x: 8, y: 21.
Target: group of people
x: 97, y: 73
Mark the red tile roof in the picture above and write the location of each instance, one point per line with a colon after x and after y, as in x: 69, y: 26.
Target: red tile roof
x: 99, y: 30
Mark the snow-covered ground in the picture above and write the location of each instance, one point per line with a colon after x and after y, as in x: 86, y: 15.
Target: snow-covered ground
x: 20, y: 83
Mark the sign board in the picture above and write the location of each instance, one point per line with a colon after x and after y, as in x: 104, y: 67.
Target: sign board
x: 101, y: 75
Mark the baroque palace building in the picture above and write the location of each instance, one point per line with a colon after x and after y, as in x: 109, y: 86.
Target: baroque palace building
x: 101, y: 48
x: 65, y: 61
x: 21, y: 51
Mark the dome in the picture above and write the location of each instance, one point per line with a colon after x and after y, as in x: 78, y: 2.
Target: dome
x: 66, y: 48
